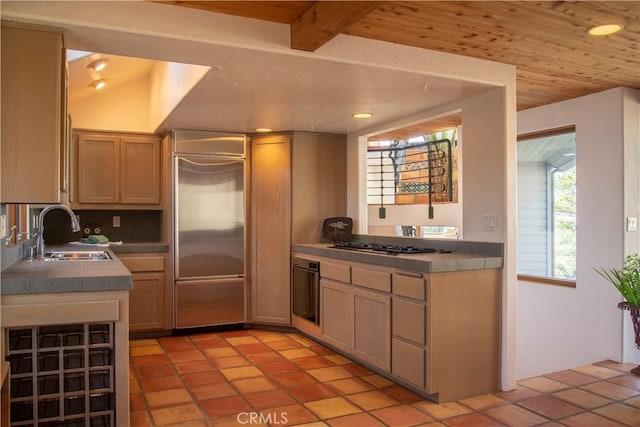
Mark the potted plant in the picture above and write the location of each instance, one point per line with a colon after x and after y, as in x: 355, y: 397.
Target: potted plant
x: 627, y: 282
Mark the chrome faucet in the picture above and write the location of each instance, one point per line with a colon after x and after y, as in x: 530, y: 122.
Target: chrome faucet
x: 40, y: 239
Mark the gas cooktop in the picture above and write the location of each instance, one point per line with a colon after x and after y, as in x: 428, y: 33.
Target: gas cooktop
x: 386, y: 249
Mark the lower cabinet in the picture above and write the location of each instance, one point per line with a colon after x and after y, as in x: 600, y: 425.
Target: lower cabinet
x: 437, y: 333
x: 372, y: 328
x: 356, y: 321
x: 336, y: 312
x: 149, y: 300
x: 69, y: 357
x: 408, y: 362
x: 408, y: 356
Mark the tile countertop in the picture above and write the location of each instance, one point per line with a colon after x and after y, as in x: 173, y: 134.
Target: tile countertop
x: 429, y: 262
x: 30, y: 277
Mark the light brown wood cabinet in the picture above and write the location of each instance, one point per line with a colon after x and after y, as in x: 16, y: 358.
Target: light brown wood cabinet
x: 33, y: 114
x: 353, y: 319
x: 372, y: 328
x: 116, y: 171
x: 297, y: 179
x: 271, y: 230
x: 438, y: 333
x: 150, y: 300
x: 409, y: 328
x: 336, y: 314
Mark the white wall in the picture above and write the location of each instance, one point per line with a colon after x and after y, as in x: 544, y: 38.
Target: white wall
x: 170, y: 83
x: 560, y: 328
x: 445, y: 215
x: 106, y: 110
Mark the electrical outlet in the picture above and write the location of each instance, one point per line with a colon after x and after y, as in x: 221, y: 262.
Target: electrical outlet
x: 116, y: 221
x: 632, y: 223
x: 3, y: 226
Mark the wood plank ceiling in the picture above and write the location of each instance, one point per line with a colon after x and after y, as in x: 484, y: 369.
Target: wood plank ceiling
x: 555, y: 58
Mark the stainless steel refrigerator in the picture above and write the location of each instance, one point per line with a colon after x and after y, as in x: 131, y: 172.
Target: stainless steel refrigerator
x: 209, y: 226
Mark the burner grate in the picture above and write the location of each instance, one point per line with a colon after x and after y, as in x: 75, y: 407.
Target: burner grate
x: 387, y: 249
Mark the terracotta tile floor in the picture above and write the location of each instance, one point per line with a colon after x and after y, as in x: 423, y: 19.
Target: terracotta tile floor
x: 234, y: 378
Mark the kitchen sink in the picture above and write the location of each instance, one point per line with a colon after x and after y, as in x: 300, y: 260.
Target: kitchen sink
x: 77, y: 256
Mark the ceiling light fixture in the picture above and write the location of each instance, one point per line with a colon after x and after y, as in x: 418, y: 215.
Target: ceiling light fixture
x: 263, y: 130
x: 361, y: 115
x: 604, y: 30
x: 98, y: 84
x: 98, y: 65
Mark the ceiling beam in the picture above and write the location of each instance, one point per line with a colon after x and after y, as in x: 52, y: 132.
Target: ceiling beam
x: 326, y: 19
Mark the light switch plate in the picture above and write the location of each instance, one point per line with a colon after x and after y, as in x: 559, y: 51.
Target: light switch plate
x: 116, y: 221
x: 632, y: 223
x: 3, y: 226
x: 489, y: 222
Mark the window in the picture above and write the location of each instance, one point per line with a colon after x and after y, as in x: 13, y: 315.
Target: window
x: 547, y: 206
x: 413, y: 171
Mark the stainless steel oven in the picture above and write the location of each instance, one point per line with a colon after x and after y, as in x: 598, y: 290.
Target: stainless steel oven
x: 305, y: 289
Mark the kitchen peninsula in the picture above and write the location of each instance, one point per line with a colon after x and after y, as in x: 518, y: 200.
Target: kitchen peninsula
x: 430, y: 321
x: 67, y: 340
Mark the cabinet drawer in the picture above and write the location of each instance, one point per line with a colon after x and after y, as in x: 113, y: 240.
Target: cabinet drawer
x: 408, y: 362
x: 409, y: 319
x: 410, y: 285
x: 143, y: 263
x: 338, y: 272
x: 372, y: 279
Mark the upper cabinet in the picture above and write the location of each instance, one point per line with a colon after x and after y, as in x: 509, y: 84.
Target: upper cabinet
x: 33, y: 115
x: 116, y: 171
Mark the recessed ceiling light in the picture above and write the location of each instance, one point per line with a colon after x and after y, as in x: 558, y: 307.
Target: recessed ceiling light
x: 604, y: 30
x: 263, y: 130
x: 98, y: 65
x: 98, y: 84
x: 361, y: 115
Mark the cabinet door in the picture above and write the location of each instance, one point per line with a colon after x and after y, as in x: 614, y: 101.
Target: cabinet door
x: 98, y: 168
x: 336, y: 314
x: 32, y: 97
x: 372, y: 328
x: 271, y: 230
x: 139, y: 170
x: 409, y: 320
x: 408, y: 362
x: 147, y: 302
x: 150, y: 302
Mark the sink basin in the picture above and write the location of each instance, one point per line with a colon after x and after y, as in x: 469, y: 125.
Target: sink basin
x: 77, y: 256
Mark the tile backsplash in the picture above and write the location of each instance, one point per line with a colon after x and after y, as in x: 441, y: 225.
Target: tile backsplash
x: 135, y: 226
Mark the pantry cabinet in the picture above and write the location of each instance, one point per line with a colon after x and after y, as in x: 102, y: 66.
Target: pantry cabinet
x: 150, y: 299
x: 297, y: 179
x: 33, y: 114
x: 271, y: 229
x: 116, y: 171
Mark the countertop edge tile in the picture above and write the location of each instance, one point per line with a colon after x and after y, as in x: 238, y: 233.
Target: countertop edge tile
x: 427, y: 262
